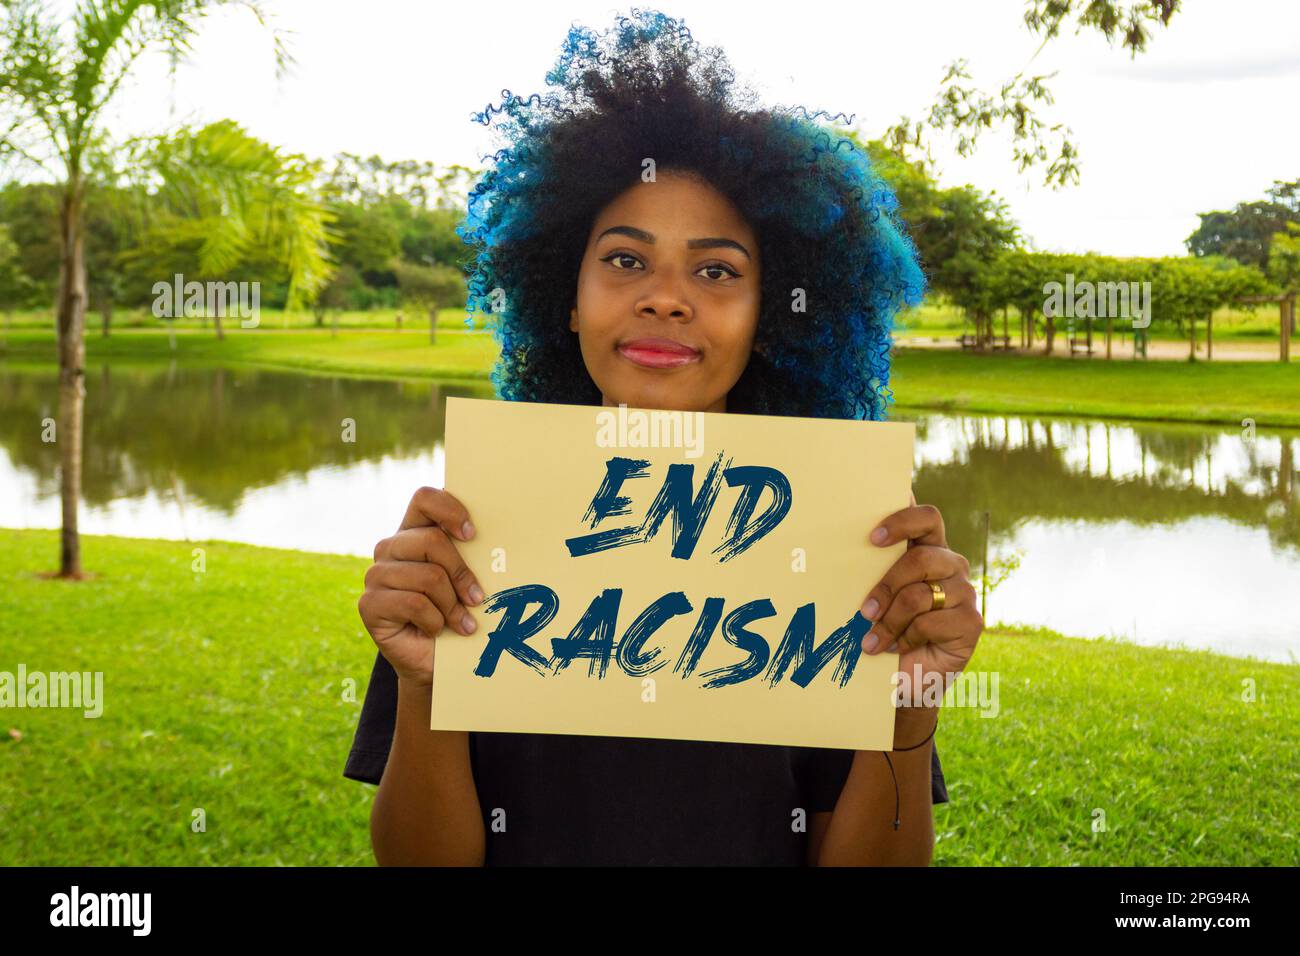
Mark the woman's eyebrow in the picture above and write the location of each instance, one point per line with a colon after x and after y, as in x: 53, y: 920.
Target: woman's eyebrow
x: 717, y: 243
x: 642, y: 236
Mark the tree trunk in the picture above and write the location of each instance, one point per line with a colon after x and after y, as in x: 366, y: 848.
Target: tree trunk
x: 216, y: 321
x: 106, y: 313
x: 70, y: 310
x: 1049, y: 334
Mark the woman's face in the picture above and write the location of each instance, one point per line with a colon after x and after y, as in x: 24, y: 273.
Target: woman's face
x: 668, y: 296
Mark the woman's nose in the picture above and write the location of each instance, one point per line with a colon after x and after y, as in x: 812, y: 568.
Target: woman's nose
x: 665, y: 298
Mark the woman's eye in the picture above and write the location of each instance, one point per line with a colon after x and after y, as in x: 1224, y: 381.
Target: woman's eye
x: 726, y: 271
x: 619, y: 255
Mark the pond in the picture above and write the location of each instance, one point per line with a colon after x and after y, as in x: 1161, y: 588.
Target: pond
x: 1155, y: 533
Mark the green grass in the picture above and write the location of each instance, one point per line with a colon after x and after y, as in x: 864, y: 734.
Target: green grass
x: 1219, y: 392
x: 1224, y: 392
x: 270, y: 319
x: 1185, y: 771
x: 223, y: 691
x: 407, y: 354
x: 936, y: 318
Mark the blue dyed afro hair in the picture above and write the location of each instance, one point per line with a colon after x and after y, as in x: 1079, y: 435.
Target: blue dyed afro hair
x: 825, y: 220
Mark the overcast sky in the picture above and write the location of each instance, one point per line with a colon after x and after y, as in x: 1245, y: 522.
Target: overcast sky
x: 1205, y: 118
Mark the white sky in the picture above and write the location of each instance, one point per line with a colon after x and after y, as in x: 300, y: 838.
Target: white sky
x: 1206, y: 118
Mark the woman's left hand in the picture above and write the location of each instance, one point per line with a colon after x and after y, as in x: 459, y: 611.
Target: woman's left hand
x: 902, y: 605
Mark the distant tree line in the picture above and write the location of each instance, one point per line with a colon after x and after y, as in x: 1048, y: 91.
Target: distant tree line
x: 1048, y: 291
x: 975, y: 255
x: 391, y: 236
x: 389, y: 227
x: 1263, y: 233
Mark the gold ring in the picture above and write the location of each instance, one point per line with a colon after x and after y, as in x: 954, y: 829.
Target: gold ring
x: 936, y: 589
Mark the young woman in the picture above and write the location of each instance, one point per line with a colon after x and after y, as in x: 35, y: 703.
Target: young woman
x: 643, y: 240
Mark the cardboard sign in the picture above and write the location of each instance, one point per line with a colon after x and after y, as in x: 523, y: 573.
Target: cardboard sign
x: 683, y: 575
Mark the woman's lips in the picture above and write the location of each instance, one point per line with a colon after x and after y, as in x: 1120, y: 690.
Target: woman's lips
x: 658, y: 353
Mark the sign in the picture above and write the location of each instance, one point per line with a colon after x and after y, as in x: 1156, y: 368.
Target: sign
x: 684, y: 575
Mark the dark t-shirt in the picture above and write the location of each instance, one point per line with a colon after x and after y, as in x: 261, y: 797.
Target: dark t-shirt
x: 562, y: 799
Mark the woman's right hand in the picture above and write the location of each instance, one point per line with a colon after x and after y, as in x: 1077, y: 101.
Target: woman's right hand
x: 419, y: 584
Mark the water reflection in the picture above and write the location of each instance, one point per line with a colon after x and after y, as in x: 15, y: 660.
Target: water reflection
x: 1182, y: 535
x: 1025, y: 469
x: 1159, y: 533
x: 219, y: 433
x: 229, y: 454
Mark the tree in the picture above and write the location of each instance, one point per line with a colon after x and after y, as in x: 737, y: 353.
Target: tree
x: 334, y: 296
x: 369, y: 237
x: 429, y: 287
x: 16, y: 287
x: 1284, y: 258
x: 1183, y: 290
x: 228, y: 205
x: 1246, y: 232
x: 420, y: 183
x: 58, y: 73
x: 404, y: 211
x: 112, y: 221
x: 959, y: 231
x: 1284, y: 263
x: 31, y: 210
x: 962, y: 109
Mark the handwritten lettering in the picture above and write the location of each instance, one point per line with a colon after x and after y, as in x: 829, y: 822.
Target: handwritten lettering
x: 690, y: 511
x: 527, y: 610
x: 592, y: 638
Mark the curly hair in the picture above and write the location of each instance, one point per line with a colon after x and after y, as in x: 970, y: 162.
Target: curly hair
x: 826, y: 222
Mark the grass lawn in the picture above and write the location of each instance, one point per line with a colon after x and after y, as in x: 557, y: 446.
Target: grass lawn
x: 372, y: 354
x: 268, y: 319
x: 1224, y: 392
x: 936, y: 317
x: 224, y: 691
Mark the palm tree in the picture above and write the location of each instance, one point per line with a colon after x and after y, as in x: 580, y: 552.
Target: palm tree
x: 57, y: 75
x: 221, y: 201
